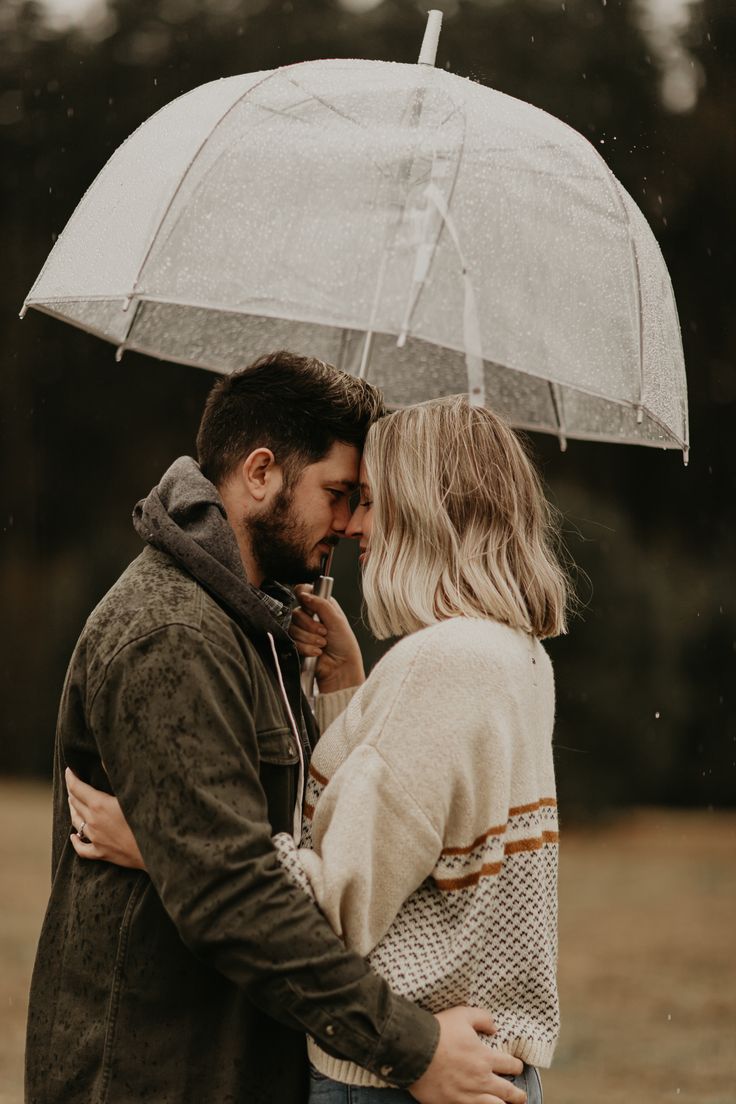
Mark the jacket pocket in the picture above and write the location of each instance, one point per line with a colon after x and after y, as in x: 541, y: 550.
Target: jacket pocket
x: 278, y: 746
x: 116, y: 988
x: 279, y: 774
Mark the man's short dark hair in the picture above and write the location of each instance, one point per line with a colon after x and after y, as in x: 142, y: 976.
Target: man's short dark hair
x: 297, y: 406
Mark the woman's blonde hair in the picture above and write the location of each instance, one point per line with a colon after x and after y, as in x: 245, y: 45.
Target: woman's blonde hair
x: 461, y: 526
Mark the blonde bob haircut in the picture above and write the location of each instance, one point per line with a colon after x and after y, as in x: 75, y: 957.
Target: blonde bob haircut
x: 461, y: 526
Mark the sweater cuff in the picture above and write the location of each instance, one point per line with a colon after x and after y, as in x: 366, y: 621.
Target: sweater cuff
x: 407, y: 1044
x: 288, y: 856
x: 328, y: 707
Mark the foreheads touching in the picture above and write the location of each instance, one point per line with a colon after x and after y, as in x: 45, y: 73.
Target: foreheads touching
x: 296, y: 407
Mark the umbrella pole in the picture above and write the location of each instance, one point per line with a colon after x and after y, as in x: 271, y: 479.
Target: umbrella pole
x: 428, y: 52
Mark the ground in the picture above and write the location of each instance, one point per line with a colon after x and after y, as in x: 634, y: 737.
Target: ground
x: 647, y: 953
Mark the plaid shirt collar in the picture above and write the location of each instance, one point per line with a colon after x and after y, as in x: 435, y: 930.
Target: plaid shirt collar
x: 278, y: 600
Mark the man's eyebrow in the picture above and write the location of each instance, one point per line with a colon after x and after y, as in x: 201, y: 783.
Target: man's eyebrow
x: 348, y: 484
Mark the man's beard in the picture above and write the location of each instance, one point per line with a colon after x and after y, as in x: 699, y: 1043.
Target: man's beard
x: 280, y: 543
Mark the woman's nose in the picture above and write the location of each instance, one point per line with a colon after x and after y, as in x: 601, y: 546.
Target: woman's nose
x: 354, y: 527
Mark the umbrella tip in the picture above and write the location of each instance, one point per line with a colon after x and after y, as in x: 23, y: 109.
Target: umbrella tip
x: 428, y: 52
x: 23, y: 310
x: 119, y: 353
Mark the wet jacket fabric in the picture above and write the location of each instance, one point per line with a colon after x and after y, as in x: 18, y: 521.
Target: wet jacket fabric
x: 195, y: 980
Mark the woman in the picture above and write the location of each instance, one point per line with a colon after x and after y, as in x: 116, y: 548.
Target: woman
x: 431, y: 825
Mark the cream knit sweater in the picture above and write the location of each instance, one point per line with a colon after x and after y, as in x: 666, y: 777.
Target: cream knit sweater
x: 430, y: 830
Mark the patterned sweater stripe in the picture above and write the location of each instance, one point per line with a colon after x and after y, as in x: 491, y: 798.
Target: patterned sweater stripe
x: 498, y: 830
x: 451, y: 733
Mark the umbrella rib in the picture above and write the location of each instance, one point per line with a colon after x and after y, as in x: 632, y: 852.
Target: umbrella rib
x: 637, y: 281
x: 330, y: 107
x: 340, y: 114
x: 615, y: 189
x: 285, y: 113
x: 445, y: 121
x: 416, y: 292
x: 556, y: 396
x: 185, y: 174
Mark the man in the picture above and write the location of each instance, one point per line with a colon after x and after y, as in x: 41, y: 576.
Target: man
x: 196, y: 980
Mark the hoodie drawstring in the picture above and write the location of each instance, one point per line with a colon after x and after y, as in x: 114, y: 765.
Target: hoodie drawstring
x: 300, y: 790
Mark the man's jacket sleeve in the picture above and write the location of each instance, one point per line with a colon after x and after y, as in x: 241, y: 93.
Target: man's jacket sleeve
x: 173, y: 720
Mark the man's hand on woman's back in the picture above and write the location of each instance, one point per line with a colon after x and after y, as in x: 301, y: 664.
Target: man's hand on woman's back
x: 463, y: 1070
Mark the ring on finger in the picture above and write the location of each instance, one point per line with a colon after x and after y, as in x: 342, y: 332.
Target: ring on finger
x: 80, y: 833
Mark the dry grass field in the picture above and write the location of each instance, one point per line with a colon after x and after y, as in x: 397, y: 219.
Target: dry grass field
x: 647, y: 953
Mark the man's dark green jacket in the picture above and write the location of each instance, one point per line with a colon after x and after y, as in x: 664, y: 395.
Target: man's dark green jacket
x: 196, y: 980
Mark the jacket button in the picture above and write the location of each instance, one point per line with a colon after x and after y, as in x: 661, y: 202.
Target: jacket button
x: 290, y: 749
x: 329, y: 1030
x: 386, y: 1070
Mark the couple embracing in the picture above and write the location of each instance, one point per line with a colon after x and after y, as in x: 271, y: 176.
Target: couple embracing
x: 242, y: 875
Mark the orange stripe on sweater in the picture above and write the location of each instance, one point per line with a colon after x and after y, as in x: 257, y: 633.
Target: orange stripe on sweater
x: 543, y: 801
x: 498, y: 830
x: 469, y: 879
x: 317, y: 776
x: 533, y: 844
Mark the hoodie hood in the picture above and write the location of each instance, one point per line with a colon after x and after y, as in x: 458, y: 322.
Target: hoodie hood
x: 184, y: 516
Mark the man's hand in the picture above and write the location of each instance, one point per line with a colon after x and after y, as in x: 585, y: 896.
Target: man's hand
x: 105, y: 833
x: 340, y: 664
x: 463, y: 1070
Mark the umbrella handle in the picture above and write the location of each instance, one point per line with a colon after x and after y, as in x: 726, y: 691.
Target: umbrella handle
x: 428, y: 53
x: 323, y: 589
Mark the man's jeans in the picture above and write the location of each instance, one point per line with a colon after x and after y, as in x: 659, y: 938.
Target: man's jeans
x: 322, y: 1090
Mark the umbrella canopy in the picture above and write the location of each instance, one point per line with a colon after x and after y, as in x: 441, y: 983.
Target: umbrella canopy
x: 407, y: 224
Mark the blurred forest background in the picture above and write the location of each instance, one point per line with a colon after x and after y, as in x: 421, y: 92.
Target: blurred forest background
x: 646, y: 685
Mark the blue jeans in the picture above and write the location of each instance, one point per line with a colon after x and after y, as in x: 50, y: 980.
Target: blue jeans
x: 322, y: 1090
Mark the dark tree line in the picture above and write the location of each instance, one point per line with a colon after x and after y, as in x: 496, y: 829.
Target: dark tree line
x: 645, y: 679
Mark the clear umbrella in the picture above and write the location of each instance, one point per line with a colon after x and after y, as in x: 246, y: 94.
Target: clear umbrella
x: 412, y: 226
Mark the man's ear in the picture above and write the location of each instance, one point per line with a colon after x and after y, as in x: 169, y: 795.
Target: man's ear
x: 261, y: 475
